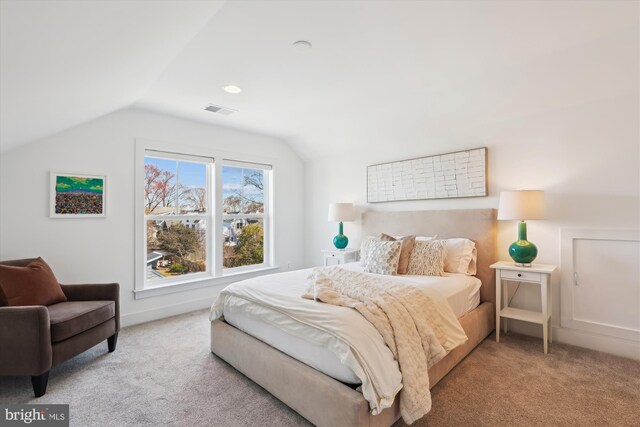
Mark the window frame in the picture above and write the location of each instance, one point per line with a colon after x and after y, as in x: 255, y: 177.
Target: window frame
x: 208, y: 217
x: 265, y: 215
x: 218, y: 276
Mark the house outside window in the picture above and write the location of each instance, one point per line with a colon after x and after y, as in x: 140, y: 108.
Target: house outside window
x: 177, y: 211
x: 244, y: 206
x: 201, y: 219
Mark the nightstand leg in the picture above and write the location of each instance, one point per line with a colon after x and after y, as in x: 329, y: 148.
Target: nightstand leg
x: 498, y: 297
x: 505, y: 302
x: 544, y: 290
x: 550, y: 310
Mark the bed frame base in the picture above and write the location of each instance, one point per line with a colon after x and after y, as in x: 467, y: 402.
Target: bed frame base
x: 317, y: 397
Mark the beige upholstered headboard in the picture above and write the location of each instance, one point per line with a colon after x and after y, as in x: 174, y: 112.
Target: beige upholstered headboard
x: 478, y: 225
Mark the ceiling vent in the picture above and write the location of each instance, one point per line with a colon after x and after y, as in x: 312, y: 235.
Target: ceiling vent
x: 220, y: 110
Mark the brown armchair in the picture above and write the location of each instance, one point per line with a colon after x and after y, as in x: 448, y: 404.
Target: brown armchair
x: 33, y: 339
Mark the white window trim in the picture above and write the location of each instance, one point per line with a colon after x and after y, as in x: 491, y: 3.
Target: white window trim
x: 207, y: 217
x: 266, y: 217
x: 218, y: 275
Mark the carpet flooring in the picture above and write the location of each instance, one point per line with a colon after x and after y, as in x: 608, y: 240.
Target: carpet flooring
x: 162, y: 373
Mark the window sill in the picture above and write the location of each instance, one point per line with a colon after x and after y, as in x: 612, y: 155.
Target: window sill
x: 201, y: 282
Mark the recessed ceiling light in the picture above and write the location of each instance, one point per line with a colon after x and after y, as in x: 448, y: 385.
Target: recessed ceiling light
x: 232, y: 89
x: 302, y: 45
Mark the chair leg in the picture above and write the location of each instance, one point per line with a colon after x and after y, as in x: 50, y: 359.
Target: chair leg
x: 39, y: 383
x: 111, y: 342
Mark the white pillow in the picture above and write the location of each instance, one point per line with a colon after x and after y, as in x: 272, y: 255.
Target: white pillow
x: 461, y: 256
x: 383, y: 257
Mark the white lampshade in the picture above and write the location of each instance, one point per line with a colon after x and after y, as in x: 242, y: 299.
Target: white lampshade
x: 341, y: 212
x: 521, y: 205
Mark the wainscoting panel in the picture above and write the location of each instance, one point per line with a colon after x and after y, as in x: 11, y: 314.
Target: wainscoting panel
x: 601, y: 282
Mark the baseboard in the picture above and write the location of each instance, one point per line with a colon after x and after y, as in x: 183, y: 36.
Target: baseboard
x: 607, y: 344
x: 165, y: 311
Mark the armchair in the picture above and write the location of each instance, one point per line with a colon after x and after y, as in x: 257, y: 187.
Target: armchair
x: 33, y: 339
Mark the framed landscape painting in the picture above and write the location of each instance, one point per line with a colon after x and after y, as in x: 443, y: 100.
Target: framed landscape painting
x: 77, y: 196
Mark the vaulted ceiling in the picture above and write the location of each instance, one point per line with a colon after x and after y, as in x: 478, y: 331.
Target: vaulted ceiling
x: 375, y: 68
x: 63, y: 63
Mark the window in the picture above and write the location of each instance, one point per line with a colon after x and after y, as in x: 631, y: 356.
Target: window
x: 177, y: 212
x: 200, y: 219
x: 244, y: 202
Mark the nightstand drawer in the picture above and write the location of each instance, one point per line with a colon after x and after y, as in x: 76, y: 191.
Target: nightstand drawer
x: 522, y: 276
x: 337, y: 256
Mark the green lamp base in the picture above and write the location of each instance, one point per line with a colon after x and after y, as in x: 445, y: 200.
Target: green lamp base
x: 523, y: 252
x: 340, y: 241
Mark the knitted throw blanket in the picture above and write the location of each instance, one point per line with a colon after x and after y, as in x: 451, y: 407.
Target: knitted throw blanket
x: 407, y: 318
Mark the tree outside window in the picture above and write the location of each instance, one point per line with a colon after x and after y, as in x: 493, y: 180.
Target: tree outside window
x: 175, y: 199
x: 243, y: 219
x: 179, y: 227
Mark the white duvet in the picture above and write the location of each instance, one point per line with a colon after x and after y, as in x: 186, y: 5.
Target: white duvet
x: 343, y: 331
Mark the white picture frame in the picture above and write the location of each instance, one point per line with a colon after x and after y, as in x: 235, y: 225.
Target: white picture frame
x: 75, y: 195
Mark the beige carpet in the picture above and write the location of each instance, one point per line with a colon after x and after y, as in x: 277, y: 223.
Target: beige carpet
x: 163, y: 374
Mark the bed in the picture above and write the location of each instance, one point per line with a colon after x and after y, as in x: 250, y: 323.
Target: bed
x: 314, y: 392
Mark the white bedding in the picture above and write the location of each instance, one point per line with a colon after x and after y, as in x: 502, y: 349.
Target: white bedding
x: 253, y: 306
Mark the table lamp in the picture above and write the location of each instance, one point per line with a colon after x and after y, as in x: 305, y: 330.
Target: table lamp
x: 522, y: 205
x: 341, y: 212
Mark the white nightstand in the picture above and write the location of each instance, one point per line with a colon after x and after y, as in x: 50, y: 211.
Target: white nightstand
x: 340, y: 256
x: 538, y: 274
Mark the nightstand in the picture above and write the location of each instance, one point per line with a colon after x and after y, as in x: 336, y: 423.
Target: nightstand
x: 340, y: 256
x: 538, y: 274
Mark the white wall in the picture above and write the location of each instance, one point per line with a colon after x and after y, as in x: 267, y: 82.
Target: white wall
x: 102, y: 250
x: 568, y: 124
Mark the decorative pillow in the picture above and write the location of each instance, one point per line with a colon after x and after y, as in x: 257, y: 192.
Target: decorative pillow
x: 383, y: 257
x: 405, y: 250
x: 418, y: 237
x: 461, y: 256
x: 33, y: 284
x: 427, y: 258
x: 364, y: 247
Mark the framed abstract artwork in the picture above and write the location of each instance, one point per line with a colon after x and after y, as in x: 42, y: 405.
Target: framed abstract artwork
x: 77, y: 196
x: 442, y: 176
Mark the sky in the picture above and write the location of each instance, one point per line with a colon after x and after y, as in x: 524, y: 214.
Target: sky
x: 192, y: 174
